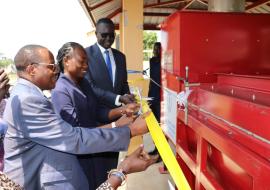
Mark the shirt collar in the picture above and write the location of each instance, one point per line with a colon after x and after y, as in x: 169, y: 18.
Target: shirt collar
x: 65, y: 77
x: 102, y: 49
x: 22, y: 80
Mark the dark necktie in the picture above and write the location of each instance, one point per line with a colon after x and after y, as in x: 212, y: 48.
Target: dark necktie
x: 109, y: 64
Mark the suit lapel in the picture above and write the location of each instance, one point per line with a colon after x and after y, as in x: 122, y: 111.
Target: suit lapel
x: 117, y: 61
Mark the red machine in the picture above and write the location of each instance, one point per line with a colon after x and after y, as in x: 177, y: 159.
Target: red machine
x: 223, y: 137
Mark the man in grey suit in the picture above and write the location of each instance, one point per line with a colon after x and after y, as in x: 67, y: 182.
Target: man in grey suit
x: 40, y: 147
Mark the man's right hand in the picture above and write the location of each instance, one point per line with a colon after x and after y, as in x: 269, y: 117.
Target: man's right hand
x: 139, y: 126
x: 127, y: 98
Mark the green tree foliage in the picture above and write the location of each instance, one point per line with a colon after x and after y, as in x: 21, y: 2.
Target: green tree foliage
x: 149, y: 38
x: 4, y: 62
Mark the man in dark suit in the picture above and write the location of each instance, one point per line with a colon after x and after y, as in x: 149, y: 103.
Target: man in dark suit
x: 154, y: 89
x: 107, y: 71
x: 108, y: 76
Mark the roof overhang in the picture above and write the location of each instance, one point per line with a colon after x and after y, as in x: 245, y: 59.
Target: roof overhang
x: 156, y: 11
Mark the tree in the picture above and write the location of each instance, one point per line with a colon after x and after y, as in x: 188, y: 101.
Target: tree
x: 149, y: 38
x: 4, y: 62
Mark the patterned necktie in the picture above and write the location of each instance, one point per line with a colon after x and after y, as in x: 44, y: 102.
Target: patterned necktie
x: 109, y: 64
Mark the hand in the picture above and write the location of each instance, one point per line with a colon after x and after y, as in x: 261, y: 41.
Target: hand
x: 137, y: 161
x: 131, y: 109
x: 4, y: 86
x: 124, y: 120
x: 127, y: 98
x: 139, y: 126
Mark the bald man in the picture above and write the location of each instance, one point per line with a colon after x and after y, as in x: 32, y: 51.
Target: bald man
x: 40, y: 147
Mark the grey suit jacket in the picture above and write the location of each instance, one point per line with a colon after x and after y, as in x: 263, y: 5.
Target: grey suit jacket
x: 41, y: 148
x: 99, y: 78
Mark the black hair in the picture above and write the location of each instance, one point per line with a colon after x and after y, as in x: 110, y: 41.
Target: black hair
x: 105, y: 21
x: 66, y: 51
x: 157, y: 49
x: 157, y: 44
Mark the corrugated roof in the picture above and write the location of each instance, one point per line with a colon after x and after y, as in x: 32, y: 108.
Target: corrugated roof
x: 262, y: 8
x: 155, y: 11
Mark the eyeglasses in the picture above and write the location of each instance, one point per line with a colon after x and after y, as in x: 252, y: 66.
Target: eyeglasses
x: 51, y: 66
x: 110, y: 34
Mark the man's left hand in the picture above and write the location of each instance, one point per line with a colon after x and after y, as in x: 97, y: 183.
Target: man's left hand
x: 127, y: 98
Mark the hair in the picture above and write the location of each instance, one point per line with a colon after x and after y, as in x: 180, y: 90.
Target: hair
x: 157, y: 49
x: 105, y: 21
x: 157, y: 44
x: 66, y: 51
x: 27, y: 55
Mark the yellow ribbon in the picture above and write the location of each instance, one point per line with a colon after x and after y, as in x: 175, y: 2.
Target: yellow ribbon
x: 162, y: 144
x: 164, y: 150
x: 135, y: 80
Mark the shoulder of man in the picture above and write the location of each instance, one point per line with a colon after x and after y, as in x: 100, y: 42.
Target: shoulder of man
x: 91, y: 49
x: 117, y: 52
x: 155, y: 60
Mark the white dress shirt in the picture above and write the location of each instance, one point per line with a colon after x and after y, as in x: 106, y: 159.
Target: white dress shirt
x: 102, y: 49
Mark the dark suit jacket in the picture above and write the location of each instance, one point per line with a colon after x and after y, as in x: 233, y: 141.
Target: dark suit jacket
x: 77, y: 105
x: 99, y: 78
x: 154, y: 90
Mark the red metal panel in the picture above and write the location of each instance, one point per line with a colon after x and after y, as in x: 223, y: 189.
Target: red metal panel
x: 227, y: 164
x: 170, y: 39
x: 235, y: 112
x: 217, y: 42
x: 225, y: 143
x: 170, y: 81
x: 233, y: 151
x: 257, y: 82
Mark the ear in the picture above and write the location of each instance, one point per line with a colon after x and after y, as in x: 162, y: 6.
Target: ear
x: 31, y: 70
x: 65, y: 61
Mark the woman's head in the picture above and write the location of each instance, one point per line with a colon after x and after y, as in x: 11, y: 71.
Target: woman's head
x: 72, y: 60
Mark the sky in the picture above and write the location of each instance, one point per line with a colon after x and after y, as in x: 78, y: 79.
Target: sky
x: 50, y: 23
